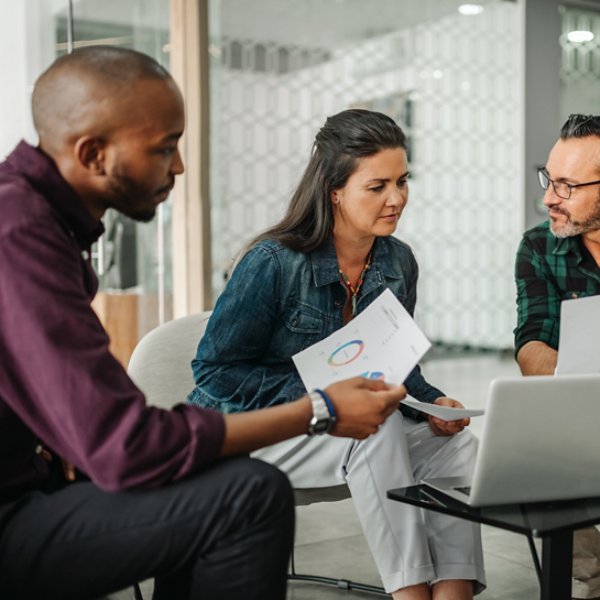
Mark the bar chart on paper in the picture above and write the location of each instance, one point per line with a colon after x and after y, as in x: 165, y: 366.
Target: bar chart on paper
x: 383, y: 342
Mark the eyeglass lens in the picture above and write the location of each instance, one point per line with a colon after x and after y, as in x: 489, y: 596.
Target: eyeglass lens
x: 561, y: 189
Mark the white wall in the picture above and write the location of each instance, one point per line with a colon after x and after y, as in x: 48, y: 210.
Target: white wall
x: 26, y: 49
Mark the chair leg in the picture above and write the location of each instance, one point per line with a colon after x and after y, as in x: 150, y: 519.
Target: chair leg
x: 343, y: 584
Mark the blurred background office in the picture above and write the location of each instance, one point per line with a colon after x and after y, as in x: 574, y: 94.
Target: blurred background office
x: 481, y: 90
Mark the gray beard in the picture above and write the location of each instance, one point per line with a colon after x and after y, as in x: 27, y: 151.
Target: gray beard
x: 573, y: 228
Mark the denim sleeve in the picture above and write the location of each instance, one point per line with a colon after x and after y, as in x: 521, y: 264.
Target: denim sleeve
x: 229, y: 368
x: 416, y: 385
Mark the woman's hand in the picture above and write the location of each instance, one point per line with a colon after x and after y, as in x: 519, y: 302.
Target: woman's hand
x: 441, y: 427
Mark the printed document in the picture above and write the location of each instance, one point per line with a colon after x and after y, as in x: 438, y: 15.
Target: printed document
x: 446, y: 413
x: 382, y: 342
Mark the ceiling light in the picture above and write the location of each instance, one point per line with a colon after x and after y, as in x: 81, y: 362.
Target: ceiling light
x: 470, y: 9
x: 578, y: 37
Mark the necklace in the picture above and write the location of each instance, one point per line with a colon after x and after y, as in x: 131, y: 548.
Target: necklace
x: 355, y: 289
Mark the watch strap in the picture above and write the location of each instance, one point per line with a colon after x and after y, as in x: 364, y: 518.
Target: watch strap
x: 322, y: 420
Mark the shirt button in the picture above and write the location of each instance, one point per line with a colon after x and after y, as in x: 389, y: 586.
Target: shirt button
x: 337, y: 304
x: 294, y: 322
x: 85, y: 254
x: 38, y: 449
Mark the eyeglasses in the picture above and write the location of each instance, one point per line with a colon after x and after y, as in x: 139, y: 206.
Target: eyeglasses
x: 561, y: 188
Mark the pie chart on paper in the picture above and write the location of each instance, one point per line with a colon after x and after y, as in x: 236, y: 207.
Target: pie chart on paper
x: 346, y: 353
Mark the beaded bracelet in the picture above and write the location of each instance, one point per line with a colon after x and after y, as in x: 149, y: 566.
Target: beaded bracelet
x: 328, y: 402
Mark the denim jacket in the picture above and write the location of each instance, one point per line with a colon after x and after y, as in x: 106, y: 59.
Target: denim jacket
x: 279, y: 302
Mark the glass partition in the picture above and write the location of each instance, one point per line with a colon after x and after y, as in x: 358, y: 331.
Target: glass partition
x: 133, y: 260
x: 450, y: 80
x: 580, y: 61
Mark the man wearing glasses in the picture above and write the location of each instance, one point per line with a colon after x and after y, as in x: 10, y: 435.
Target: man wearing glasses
x: 556, y: 261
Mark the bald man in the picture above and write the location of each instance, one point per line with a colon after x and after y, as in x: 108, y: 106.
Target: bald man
x: 163, y: 494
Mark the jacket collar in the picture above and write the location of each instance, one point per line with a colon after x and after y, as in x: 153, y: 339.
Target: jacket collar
x: 325, y: 265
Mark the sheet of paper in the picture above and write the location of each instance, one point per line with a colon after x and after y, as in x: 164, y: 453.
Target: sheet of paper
x: 579, y: 346
x: 382, y: 342
x: 442, y: 412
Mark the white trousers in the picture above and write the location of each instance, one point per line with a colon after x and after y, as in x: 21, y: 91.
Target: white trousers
x: 409, y: 546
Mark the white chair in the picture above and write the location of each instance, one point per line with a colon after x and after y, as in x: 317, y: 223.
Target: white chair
x: 160, y: 363
x: 160, y: 367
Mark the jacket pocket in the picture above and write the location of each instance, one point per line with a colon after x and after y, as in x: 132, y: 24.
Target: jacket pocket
x: 303, y: 326
x: 304, y: 319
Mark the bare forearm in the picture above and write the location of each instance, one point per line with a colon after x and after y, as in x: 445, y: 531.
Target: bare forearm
x: 360, y: 407
x: 537, y: 358
x: 248, y: 431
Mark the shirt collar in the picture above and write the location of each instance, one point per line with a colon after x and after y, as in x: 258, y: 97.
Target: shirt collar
x: 325, y: 265
x: 568, y: 245
x: 41, y: 172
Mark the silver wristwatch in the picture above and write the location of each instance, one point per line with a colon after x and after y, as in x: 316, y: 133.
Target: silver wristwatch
x: 322, y: 421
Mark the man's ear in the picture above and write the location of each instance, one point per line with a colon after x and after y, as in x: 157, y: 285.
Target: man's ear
x: 90, y: 153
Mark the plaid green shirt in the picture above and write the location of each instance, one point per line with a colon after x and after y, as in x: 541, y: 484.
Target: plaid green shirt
x: 549, y: 270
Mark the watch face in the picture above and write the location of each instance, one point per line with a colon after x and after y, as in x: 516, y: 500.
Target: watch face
x: 322, y: 421
x: 320, y: 426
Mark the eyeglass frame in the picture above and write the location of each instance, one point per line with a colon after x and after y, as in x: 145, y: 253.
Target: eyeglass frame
x: 542, y: 172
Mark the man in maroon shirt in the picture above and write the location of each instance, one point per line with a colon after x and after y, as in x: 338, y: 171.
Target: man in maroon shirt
x: 163, y: 494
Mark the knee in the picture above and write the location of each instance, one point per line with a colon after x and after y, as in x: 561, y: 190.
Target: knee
x: 272, y: 478
x: 267, y: 486
x: 392, y: 432
x: 468, y: 439
x: 467, y: 444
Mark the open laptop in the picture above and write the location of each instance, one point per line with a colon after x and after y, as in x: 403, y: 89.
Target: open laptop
x: 540, y: 442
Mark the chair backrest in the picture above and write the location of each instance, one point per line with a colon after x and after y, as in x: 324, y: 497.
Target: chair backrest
x: 160, y: 367
x: 160, y: 363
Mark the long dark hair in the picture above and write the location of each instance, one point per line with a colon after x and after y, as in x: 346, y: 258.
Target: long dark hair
x: 344, y: 139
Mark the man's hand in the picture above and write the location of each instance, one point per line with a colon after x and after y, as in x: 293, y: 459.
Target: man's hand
x: 441, y: 427
x: 68, y: 469
x: 362, y: 405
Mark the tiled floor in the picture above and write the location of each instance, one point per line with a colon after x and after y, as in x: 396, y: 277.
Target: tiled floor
x: 329, y: 539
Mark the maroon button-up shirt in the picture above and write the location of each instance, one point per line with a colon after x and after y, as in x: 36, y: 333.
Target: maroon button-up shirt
x: 59, y: 384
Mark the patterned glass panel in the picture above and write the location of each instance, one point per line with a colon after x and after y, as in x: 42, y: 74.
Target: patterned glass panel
x: 580, y: 63
x: 449, y: 81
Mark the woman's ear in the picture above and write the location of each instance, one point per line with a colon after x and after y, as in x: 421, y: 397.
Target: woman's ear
x: 90, y: 153
x: 335, y: 197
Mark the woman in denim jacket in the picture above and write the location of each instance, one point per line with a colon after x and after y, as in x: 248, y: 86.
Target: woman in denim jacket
x: 330, y: 256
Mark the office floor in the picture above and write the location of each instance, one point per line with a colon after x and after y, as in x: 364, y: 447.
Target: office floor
x: 329, y: 539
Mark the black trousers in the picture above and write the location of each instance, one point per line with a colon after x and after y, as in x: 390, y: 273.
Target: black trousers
x: 225, y: 534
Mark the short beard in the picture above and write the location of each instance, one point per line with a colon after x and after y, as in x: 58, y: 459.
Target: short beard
x: 127, y: 194
x: 573, y: 228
